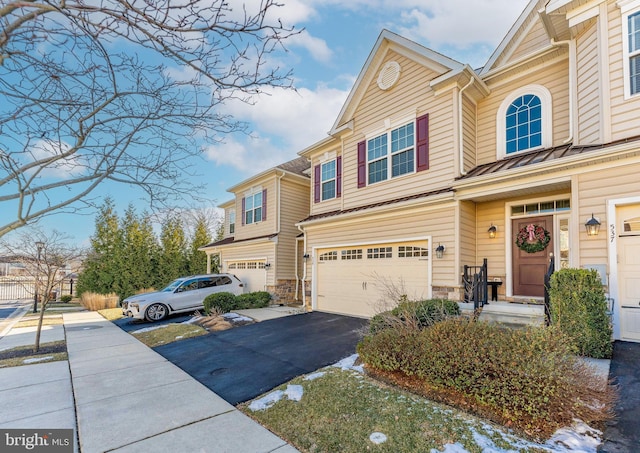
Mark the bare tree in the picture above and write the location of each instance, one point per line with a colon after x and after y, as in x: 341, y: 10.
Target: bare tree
x: 48, y: 259
x: 127, y: 91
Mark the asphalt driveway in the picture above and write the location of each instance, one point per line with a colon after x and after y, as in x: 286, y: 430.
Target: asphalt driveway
x: 131, y: 324
x: 242, y: 363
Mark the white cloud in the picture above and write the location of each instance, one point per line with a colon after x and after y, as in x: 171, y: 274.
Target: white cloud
x: 47, y: 152
x: 461, y: 23
x: 284, y: 122
x: 317, y: 48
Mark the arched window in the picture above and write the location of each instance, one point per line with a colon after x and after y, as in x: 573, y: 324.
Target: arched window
x: 524, y: 121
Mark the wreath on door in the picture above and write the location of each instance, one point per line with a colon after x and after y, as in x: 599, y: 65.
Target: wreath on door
x: 532, y: 238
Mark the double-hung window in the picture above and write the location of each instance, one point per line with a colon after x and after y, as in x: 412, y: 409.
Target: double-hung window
x: 253, y: 208
x: 392, y: 153
x: 328, y: 180
x: 633, y: 52
x: 232, y: 221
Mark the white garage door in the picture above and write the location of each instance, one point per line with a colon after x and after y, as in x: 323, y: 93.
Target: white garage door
x: 365, y: 280
x: 629, y: 272
x: 252, y: 274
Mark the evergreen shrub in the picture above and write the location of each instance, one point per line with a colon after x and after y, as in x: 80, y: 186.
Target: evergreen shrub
x: 422, y: 313
x: 578, y: 307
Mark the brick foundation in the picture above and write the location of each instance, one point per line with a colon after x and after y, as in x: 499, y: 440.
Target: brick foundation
x: 447, y: 292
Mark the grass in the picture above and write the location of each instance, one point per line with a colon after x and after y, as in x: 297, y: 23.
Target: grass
x: 52, y: 352
x: 340, y: 410
x: 168, y: 333
x: 111, y: 314
x: 32, y: 321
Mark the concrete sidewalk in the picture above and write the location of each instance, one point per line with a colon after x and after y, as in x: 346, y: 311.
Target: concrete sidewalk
x: 127, y: 398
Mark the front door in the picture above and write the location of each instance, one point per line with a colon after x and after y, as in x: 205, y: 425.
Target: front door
x: 529, y: 268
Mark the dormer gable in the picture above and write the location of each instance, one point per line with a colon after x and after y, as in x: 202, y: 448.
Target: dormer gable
x: 387, y: 72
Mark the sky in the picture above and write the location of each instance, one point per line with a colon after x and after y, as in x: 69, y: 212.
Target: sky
x: 326, y: 58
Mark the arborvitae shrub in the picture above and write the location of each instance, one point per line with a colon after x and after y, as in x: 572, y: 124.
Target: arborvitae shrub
x: 579, y: 308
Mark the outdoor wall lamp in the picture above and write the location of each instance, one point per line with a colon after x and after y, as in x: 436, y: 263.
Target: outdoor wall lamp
x: 592, y: 226
x: 305, y: 256
x: 267, y: 265
x: 440, y: 251
x: 492, y: 231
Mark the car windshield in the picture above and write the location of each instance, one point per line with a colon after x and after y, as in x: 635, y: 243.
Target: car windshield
x: 172, y: 286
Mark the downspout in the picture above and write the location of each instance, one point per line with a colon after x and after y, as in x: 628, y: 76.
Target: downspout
x: 460, y: 128
x: 304, y: 268
x: 572, y: 82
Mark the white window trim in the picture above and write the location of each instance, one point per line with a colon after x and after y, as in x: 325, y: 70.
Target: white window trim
x: 388, y: 129
x: 627, y: 8
x: 334, y: 179
x: 547, y: 119
x: 232, y: 217
x: 253, y: 192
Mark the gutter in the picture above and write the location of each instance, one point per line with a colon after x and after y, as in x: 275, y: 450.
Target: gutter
x: 460, y: 128
x: 304, y: 268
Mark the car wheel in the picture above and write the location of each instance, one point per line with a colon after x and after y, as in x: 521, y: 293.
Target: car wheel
x: 156, y: 312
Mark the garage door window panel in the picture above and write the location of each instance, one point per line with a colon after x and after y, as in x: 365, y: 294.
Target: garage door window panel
x: 412, y: 252
x: 329, y: 256
x: 352, y: 254
x: 380, y: 253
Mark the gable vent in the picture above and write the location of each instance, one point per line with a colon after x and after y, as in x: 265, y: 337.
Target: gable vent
x: 389, y: 75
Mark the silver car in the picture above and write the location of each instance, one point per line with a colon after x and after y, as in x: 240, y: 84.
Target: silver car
x: 181, y: 295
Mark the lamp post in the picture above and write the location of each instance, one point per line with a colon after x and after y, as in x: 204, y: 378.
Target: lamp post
x: 39, y: 246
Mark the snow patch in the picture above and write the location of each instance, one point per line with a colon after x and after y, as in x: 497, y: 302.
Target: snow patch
x: 192, y: 320
x: 348, y: 364
x: 179, y: 337
x: 378, y: 438
x: 235, y: 317
x: 37, y: 359
x: 579, y: 437
x: 313, y: 376
x: 451, y: 448
x: 149, y: 329
x: 293, y: 392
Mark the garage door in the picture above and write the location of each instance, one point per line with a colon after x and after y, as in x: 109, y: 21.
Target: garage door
x: 365, y: 280
x: 252, y: 274
x: 629, y: 272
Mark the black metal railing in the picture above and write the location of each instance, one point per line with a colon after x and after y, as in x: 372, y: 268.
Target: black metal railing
x: 547, y: 279
x: 474, y: 279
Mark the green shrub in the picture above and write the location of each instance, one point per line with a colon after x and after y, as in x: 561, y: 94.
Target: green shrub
x: 66, y: 298
x: 257, y: 299
x: 422, y: 313
x: 224, y: 302
x: 579, y: 308
x: 527, y: 379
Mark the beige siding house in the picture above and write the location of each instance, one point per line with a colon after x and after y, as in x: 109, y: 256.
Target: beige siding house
x: 428, y: 155
x: 260, y: 243
x: 432, y: 166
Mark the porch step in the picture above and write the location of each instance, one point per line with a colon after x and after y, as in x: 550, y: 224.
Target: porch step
x: 510, y: 314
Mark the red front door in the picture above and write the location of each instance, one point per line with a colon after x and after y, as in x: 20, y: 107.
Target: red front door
x: 529, y: 268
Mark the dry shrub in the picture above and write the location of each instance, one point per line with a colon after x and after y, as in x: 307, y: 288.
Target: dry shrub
x: 527, y: 379
x: 94, y: 302
x: 214, y: 321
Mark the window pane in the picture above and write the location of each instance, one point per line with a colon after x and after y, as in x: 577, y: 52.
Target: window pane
x: 257, y: 200
x: 634, y: 74
x: 328, y: 190
x: 258, y: 214
x: 516, y: 210
x: 402, y: 138
x: 248, y: 217
x: 377, y: 147
x: 523, y: 124
x: 248, y: 203
x: 634, y: 32
x: 402, y: 163
x: 378, y: 171
x: 329, y: 170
